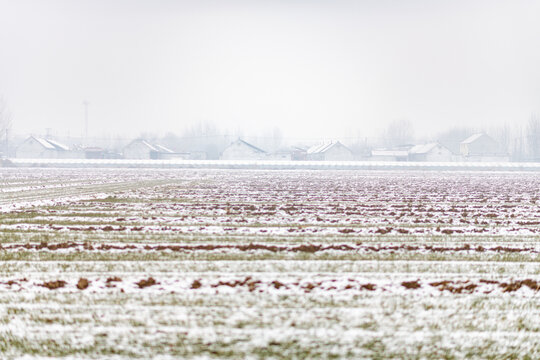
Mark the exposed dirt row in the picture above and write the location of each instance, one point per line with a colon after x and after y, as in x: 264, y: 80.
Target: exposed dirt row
x: 304, y: 248
x: 467, y: 286
x: 251, y: 284
x: 307, y: 227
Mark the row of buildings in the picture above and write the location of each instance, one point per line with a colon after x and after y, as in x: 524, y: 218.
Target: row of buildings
x: 328, y: 151
x: 478, y: 147
x: 42, y: 148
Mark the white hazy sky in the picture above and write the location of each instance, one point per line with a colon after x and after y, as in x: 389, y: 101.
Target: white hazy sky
x: 311, y: 68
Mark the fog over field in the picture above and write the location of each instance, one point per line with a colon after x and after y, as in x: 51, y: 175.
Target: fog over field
x: 312, y: 69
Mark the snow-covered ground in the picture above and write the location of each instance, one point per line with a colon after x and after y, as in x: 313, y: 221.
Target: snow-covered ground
x: 201, y: 263
x: 279, y: 164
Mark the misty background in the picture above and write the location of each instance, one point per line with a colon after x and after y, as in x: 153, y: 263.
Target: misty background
x: 368, y: 73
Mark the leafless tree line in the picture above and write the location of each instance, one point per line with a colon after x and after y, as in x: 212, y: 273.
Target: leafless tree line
x: 521, y: 142
x: 5, y: 125
x: 533, y: 137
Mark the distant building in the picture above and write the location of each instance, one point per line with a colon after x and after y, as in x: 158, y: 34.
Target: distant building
x: 41, y: 148
x: 298, y: 153
x: 284, y: 154
x: 242, y: 150
x: 481, y: 147
x: 94, y: 152
x: 197, y: 155
x: 330, y: 151
x: 430, y: 152
x: 142, y: 150
x: 398, y: 153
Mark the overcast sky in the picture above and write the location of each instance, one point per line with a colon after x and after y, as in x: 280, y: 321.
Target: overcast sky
x: 311, y: 68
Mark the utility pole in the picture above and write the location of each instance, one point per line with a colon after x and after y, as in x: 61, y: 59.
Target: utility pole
x: 86, y: 103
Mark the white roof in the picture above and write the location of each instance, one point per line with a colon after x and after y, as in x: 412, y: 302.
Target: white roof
x: 472, y: 138
x: 163, y: 149
x: 423, y: 149
x: 45, y: 143
x: 58, y: 145
x: 148, y: 145
x: 251, y: 146
x: 154, y: 147
x: 321, y: 148
x: 51, y: 144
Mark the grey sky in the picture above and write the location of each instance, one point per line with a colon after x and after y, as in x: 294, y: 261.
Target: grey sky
x: 312, y: 68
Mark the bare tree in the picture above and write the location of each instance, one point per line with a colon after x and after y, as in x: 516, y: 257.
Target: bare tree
x: 518, y: 152
x: 503, y: 135
x: 5, y: 126
x: 533, y: 137
x: 203, y: 136
x: 399, y: 132
x: 277, y: 138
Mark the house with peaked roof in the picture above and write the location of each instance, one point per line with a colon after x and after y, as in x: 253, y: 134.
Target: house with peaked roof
x: 481, y: 147
x: 299, y: 153
x: 430, y: 152
x: 94, y: 152
x: 143, y: 150
x: 242, y: 150
x: 329, y: 151
x: 41, y: 148
x: 389, y: 155
x: 396, y: 153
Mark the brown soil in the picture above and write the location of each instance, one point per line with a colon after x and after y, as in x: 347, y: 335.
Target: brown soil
x: 415, y: 284
x: 13, y: 282
x: 454, y: 287
x: 489, y: 281
x: 278, y: 284
x: 459, y: 287
x: 383, y: 231
x: 310, y: 286
x: 110, y: 282
x: 146, y: 282
x: 248, y: 281
x: 516, y: 285
x: 307, y: 248
x: 51, y: 285
x: 370, y: 287
x: 82, y: 284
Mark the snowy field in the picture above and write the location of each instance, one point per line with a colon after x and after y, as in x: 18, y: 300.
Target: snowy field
x: 200, y: 263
